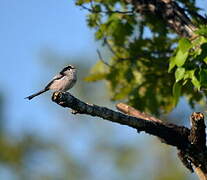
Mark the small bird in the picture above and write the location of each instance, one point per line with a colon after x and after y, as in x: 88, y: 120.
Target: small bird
x: 63, y: 81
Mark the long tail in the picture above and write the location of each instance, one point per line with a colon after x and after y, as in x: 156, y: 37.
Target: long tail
x: 36, y: 94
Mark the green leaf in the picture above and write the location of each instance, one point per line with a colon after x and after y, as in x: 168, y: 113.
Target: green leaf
x: 184, y: 45
x: 203, y: 77
x: 189, y: 74
x: 182, y: 53
x: 176, y: 93
x: 180, y: 58
x: 172, y: 64
x: 202, y: 31
x: 205, y: 60
x: 196, y: 83
x: 92, y: 19
x: 179, y: 73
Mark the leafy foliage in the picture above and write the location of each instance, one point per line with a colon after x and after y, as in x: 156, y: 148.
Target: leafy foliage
x: 189, y: 60
x: 150, y: 67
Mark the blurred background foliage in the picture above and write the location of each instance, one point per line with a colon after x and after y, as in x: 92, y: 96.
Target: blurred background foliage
x: 143, y: 47
x: 40, y: 140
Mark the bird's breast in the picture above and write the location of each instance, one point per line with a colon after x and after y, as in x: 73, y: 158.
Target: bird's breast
x: 63, y: 84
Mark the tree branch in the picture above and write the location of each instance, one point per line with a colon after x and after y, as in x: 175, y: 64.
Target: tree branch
x: 190, y: 153
x: 101, y: 59
x: 162, y: 130
x: 134, y: 112
x: 93, y: 10
x: 170, y: 12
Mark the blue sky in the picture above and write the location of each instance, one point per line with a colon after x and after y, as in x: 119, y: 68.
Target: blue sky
x: 27, y: 28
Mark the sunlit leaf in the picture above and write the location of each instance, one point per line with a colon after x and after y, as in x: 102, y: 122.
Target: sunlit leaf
x: 182, y: 53
x: 172, y: 64
x: 179, y: 73
x: 181, y: 57
x: 196, y: 83
x: 176, y: 93
x: 184, y: 45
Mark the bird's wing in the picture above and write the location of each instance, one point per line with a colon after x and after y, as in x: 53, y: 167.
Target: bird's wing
x: 58, y: 76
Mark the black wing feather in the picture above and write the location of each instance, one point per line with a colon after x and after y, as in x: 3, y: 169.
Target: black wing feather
x: 59, y: 76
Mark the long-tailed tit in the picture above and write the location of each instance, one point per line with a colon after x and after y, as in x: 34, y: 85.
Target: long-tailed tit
x: 63, y: 81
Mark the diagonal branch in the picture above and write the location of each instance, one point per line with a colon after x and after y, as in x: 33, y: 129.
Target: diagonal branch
x: 171, y: 134
x: 190, y: 153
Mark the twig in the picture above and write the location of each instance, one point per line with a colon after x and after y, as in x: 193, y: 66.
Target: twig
x: 92, y: 10
x: 113, y: 51
x: 101, y: 59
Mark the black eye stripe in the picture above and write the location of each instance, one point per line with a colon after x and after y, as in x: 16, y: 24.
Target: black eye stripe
x: 66, y: 68
x: 71, y: 67
x: 62, y: 72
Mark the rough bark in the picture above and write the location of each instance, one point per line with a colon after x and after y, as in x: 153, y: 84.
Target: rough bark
x: 197, y: 131
x: 189, y: 142
x: 169, y: 11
